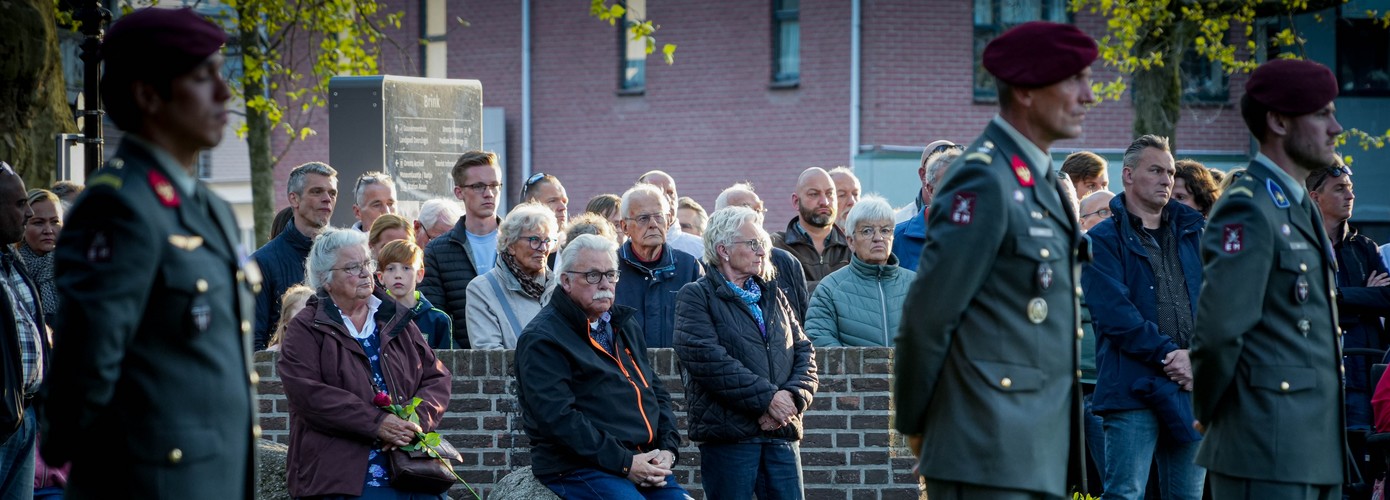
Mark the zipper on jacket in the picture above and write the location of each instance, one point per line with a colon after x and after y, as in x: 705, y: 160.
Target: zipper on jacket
x: 883, y: 306
x: 651, y: 436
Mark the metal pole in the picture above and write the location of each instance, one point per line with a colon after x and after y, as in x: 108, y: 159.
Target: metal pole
x: 94, y: 18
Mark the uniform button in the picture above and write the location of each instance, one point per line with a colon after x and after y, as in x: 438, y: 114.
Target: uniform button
x: 1303, y: 267
x: 246, y: 327
x: 1045, y: 253
x: 117, y: 163
x: 256, y: 288
x: 256, y: 431
x: 1006, y: 383
x: 1080, y: 334
x: 1078, y: 374
x: 255, y: 378
x: 240, y: 276
x: 175, y: 456
x: 202, y: 286
x: 1284, y: 386
x: 1078, y: 291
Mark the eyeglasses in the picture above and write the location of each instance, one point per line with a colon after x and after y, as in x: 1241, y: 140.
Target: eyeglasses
x: 481, y: 188
x: 359, y: 268
x: 867, y: 232
x: 1103, y: 213
x: 538, y: 242
x: 593, y: 277
x: 755, y: 244
x: 645, y: 219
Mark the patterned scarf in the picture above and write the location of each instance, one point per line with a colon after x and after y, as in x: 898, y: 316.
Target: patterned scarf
x: 41, y: 271
x: 751, y: 294
x: 529, y: 285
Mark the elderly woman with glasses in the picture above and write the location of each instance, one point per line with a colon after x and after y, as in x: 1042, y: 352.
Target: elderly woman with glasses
x: 751, y: 371
x: 503, y: 300
x: 348, y: 353
x: 859, y: 305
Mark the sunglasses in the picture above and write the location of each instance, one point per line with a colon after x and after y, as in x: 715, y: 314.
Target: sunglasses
x: 531, y: 181
x: 947, y: 147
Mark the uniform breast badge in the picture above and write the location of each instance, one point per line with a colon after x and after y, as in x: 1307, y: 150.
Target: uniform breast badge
x: 1037, y: 310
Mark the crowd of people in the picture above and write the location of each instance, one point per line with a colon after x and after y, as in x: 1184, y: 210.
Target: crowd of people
x: 1190, y: 327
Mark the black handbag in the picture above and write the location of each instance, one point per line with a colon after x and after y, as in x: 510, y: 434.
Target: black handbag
x: 417, y: 471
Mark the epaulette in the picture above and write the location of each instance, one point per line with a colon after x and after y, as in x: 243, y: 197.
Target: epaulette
x: 1240, y: 191
x: 105, y: 179
x: 979, y: 157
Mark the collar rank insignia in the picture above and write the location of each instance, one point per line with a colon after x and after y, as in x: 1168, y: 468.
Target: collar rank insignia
x: 1277, y: 194
x: 1021, y: 171
x: 963, y: 209
x: 1232, y: 238
x: 163, y: 189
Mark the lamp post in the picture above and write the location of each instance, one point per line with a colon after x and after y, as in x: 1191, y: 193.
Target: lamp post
x: 94, y: 19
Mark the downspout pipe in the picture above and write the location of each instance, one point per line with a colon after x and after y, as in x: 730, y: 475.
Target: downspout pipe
x: 854, y: 77
x: 525, y: 89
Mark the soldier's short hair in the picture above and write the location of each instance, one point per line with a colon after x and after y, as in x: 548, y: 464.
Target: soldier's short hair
x: 296, y: 183
x: 1137, y: 148
x: 1254, y: 112
x: 470, y: 159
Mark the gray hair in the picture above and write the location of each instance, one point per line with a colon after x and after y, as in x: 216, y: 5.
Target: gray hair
x: 296, y: 183
x: 439, y: 210
x: 643, y: 189
x: 523, y: 217
x: 323, y: 256
x: 871, y: 207
x: 740, y: 187
x: 1137, y: 148
x: 723, y: 230
x: 937, y: 163
x: 842, y: 170
x: 594, y: 242
x: 369, y: 178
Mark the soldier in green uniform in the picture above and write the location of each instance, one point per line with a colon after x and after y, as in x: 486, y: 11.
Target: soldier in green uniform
x: 1265, y: 353
x: 986, y: 374
x: 151, y: 391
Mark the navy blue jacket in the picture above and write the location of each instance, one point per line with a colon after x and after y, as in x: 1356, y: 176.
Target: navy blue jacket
x: 282, y: 266
x: 909, y: 237
x: 434, y: 324
x: 652, y: 290
x: 1119, y: 287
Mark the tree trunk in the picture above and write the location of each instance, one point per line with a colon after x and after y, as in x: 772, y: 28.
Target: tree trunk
x: 1157, y: 91
x: 33, y: 93
x: 257, y: 135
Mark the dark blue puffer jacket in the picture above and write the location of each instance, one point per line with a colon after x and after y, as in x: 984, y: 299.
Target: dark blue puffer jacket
x: 282, y: 266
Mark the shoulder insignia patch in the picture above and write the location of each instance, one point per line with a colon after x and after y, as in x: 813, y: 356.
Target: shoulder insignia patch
x: 163, y: 189
x: 1277, y: 194
x: 979, y: 157
x: 963, y: 209
x: 1021, y: 171
x: 1232, y: 238
x: 1241, y: 191
x: 106, y: 179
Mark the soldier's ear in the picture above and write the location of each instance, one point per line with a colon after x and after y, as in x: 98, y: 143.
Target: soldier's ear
x: 1276, y: 123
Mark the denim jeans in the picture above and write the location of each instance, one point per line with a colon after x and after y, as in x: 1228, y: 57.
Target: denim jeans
x: 594, y: 484
x: 1133, y: 441
x: 1095, y: 439
x: 767, y: 468
x: 17, y: 460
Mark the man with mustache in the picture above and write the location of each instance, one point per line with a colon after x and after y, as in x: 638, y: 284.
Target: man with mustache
x: 599, y: 420
x: 812, y: 236
x: 987, y: 359
x: 1266, y: 359
x: 152, y: 391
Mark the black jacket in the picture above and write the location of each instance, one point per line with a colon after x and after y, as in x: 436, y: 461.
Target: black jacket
x: 732, y: 372
x: 281, y: 262
x: 583, y: 407
x: 11, y: 359
x: 448, y: 270
x: 1359, y: 307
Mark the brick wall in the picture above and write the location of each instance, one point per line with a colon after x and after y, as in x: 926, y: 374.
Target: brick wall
x: 848, y: 451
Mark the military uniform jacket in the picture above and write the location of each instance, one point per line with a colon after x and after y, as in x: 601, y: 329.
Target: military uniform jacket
x: 151, y: 390
x: 1265, y: 353
x: 987, y: 352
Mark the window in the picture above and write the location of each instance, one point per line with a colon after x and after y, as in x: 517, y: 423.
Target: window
x: 434, y: 46
x: 1203, y: 80
x: 786, y: 36
x: 1363, y: 57
x: 205, y: 164
x: 633, y: 77
x: 993, y: 18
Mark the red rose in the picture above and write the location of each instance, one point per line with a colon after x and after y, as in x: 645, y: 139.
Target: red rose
x: 382, y: 399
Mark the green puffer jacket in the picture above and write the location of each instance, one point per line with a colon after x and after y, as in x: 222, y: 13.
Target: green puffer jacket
x: 858, y: 305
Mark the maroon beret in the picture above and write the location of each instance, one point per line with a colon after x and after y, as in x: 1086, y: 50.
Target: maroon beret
x: 1039, y: 53
x: 166, y: 42
x: 1292, y: 87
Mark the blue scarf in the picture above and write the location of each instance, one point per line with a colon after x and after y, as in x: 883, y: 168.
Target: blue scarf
x: 751, y: 294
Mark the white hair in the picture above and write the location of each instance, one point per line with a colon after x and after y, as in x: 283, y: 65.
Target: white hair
x: 871, y: 207
x: 523, y: 217
x: 369, y: 178
x: 439, y: 210
x: 570, y: 255
x: 323, y: 256
x: 723, y: 230
x: 723, y: 199
x: 643, y: 189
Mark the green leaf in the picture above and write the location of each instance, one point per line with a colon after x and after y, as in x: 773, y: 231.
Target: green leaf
x: 668, y: 51
x: 432, y: 439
